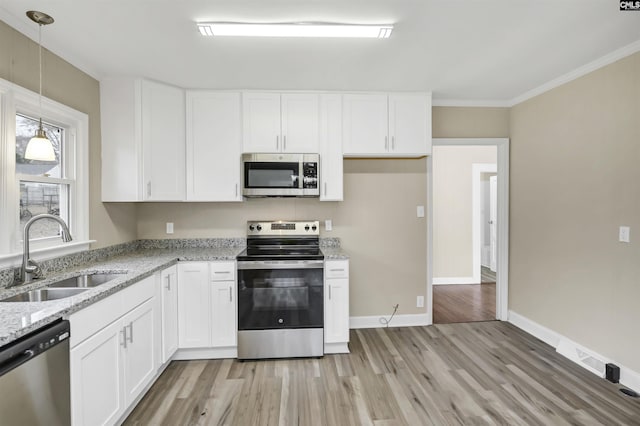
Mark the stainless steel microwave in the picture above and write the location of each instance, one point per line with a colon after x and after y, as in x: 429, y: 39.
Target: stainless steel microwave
x: 281, y: 175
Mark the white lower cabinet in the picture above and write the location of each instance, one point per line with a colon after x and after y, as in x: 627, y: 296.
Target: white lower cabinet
x: 336, y: 306
x: 169, y: 292
x: 206, y: 310
x: 97, y: 376
x: 112, y: 358
x: 138, y: 350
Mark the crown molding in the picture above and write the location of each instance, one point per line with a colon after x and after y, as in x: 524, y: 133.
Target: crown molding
x: 603, y: 61
x: 494, y: 103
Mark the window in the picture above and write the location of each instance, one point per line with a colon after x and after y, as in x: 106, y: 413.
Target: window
x: 57, y: 187
x: 44, y: 185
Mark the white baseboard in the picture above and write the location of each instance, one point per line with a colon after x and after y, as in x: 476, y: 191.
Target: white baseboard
x: 454, y: 280
x: 566, y: 347
x: 396, y: 321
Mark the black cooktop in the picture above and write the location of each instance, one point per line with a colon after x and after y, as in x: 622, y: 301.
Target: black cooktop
x: 282, y: 249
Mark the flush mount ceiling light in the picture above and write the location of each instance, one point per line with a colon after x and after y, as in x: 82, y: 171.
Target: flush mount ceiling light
x: 303, y: 29
x: 39, y: 146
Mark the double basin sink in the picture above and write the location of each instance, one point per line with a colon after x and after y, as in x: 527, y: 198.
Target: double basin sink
x: 64, y: 288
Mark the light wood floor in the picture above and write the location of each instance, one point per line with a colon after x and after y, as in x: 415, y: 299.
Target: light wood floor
x: 453, y: 374
x: 464, y: 303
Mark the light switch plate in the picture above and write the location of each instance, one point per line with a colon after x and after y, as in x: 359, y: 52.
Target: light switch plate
x: 169, y: 227
x: 420, y: 211
x: 624, y: 234
x: 328, y: 226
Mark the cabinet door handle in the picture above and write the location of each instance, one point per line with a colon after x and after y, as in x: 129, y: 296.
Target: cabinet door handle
x: 386, y: 143
x: 393, y: 143
x: 284, y: 143
x: 149, y: 189
x: 168, y: 286
x: 236, y: 189
x: 277, y: 143
x: 337, y: 270
x: 329, y: 291
x: 124, y: 337
x: 325, y: 188
x: 230, y: 294
x: 131, y: 332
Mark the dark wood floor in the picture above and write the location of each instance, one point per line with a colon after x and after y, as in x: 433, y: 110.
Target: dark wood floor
x: 464, y: 303
x: 452, y: 374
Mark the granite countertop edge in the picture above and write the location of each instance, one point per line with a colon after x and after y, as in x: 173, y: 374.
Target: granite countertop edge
x: 17, y: 319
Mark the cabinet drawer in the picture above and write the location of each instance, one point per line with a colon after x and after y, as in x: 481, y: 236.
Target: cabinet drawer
x: 136, y: 294
x: 88, y: 321
x: 222, y: 271
x: 336, y: 269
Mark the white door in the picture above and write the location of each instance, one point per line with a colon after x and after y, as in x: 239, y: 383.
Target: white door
x: 365, y: 124
x: 169, y: 312
x: 194, y: 305
x: 139, y: 365
x: 261, y: 122
x: 409, y: 128
x: 331, y: 179
x: 214, y: 144
x: 300, y: 116
x: 493, y: 220
x: 97, y: 389
x: 336, y: 317
x: 163, y: 142
x: 223, y: 314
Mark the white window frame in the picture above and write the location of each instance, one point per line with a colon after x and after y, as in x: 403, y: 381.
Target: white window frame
x: 16, y: 99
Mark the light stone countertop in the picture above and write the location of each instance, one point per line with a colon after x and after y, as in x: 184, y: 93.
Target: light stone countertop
x: 334, y: 253
x: 20, y: 318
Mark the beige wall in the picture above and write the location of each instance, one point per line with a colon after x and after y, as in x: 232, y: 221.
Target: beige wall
x: 470, y: 122
x: 574, y: 181
x: 376, y: 222
x: 452, y: 207
x: 109, y: 224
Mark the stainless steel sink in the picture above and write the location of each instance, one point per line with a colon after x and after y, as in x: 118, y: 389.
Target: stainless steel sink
x: 64, y: 288
x: 85, y: 281
x: 44, y: 294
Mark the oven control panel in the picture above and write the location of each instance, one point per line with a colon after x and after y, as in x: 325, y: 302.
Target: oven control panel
x: 281, y: 227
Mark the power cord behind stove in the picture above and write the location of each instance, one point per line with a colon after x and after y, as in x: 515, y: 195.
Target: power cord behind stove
x: 385, y: 321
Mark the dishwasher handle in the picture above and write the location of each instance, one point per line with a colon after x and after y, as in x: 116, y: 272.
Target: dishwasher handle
x: 16, y: 361
x: 22, y: 350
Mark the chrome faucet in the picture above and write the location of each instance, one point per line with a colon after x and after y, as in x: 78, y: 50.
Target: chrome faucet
x: 29, y: 266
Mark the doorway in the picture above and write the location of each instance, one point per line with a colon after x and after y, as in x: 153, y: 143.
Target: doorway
x: 468, y: 281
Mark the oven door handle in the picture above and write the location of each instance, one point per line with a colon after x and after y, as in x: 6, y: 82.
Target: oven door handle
x: 280, y: 264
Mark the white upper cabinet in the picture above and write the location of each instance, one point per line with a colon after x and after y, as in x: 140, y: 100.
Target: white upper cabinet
x: 274, y: 122
x: 410, y: 123
x: 214, y: 129
x: 299, y: 123
x: 331, y: 181
x: 143, y: 141
x: 381, y: 125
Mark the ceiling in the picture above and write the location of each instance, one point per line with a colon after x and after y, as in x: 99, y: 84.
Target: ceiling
x: 466, y: 50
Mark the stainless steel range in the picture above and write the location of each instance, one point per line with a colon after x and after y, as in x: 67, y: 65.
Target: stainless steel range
x: 280, y: 291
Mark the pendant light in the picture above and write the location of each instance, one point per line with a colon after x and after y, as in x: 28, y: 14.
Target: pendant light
x: 40, y: 147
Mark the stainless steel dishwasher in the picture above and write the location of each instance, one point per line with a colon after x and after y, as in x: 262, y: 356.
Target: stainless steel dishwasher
x: 34, y: 378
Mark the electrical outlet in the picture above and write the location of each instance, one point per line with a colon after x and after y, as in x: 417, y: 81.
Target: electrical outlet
x: 624, y: 234
x: 420, y: 302
x: 420, y: 211
x: 169, y: 227
x: 328, y: 226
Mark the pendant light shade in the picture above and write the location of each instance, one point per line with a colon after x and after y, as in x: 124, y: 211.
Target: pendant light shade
x: 40, y: 147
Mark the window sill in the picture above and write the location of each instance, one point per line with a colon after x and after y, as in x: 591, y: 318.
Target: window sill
x: 45, y: 253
